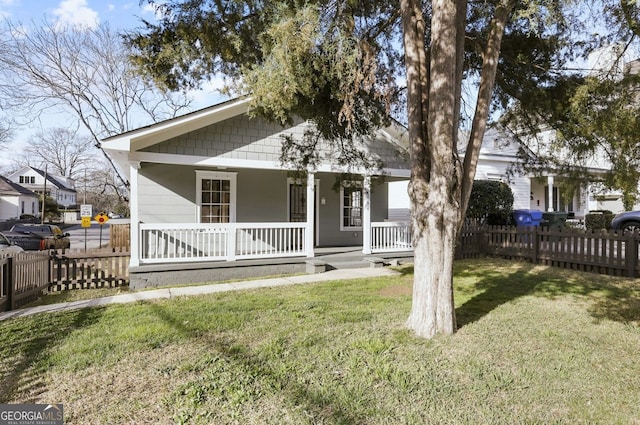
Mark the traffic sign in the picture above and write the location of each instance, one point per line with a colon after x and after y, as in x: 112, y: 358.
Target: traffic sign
x: 101, y: 218
x: 85, y: 210
x: 86, y: 221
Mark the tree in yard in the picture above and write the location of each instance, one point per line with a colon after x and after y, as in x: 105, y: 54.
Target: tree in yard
x: 83, y: 72
x: 60, y: 150
x: 338, y: 62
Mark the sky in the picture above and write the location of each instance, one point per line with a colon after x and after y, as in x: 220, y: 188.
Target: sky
x: 119, y: 14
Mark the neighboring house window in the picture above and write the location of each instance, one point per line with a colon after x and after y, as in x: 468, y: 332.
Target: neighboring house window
x: 22, y: 209
x: 21, y: 179
x: 351, y: 208
x: 216, y: 197
x: 33, y: 180
x: 33, y: 208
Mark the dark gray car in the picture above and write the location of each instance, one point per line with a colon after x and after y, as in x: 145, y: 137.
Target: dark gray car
x: 38, y: 236
x: 628, y: 221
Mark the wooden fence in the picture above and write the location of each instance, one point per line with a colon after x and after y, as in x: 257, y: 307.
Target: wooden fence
x: 26, y: 276
x: 604, y: 252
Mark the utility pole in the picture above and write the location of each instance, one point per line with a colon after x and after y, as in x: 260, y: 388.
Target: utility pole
x: 44, y: 194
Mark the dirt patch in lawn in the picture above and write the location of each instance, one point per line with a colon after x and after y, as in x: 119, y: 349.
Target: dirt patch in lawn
x: 396, y: 291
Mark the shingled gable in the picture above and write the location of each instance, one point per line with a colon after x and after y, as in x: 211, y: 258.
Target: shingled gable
x: 224, y: 133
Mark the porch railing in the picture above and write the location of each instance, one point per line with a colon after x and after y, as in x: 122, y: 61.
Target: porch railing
x: 228, y: 241
x: 390, y: 237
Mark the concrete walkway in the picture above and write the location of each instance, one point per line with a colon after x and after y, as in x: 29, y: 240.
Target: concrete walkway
x: 340, y: 274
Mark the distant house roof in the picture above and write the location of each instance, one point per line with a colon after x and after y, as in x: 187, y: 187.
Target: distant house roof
x: 54, y: 180
x: 7, y: 187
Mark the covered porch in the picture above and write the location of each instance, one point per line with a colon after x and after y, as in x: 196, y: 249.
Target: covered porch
x: 158, y: 243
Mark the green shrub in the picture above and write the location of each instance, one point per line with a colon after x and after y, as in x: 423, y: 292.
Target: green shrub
x: 598, y: 219
x: 491, y: 201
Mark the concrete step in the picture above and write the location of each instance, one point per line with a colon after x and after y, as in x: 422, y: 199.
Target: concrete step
x: 353, y: 264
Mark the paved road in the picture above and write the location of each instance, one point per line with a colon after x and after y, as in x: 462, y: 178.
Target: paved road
x: 91, y: 235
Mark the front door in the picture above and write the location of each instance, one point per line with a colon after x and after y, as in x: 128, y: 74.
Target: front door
x: 298, y: 206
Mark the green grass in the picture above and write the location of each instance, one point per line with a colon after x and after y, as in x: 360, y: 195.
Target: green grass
x: 534, y: 345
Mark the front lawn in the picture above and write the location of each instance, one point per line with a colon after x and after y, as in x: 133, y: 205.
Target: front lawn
x: 535, y: 345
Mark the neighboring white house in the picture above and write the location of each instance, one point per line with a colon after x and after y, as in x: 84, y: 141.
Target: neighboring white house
x: 16, y: 200
x: 209, y: 186
x: 60, y: 188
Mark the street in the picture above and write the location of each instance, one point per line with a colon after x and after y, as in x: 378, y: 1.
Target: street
x: 92, y: 235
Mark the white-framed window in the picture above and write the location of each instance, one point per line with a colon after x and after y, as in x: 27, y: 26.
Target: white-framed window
x: 215, y: 197
x: 351, y: 202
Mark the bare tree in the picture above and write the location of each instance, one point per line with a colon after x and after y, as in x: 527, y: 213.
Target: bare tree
x: 61, y: 150
x: 81, y: 71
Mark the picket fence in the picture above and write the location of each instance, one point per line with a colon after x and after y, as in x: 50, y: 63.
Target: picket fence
x: 26, y: 276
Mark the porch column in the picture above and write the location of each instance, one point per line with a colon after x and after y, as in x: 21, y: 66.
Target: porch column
x: 366, y: 215
x: 550, y: 195
x: 311, y: 214
x: 134, y: 229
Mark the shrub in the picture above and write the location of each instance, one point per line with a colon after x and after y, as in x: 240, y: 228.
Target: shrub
x: 491, y: 201
x: 598, y: 219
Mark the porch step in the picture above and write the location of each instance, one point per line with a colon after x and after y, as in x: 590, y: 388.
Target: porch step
x: 357, y: 264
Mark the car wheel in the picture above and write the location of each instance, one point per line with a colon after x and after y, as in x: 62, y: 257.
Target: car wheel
x: 631, y: 227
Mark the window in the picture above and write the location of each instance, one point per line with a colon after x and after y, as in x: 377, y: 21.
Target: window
x: 351, y: 208
x: 216, y: 197
x: 21, y: 179
x: 33, y: 179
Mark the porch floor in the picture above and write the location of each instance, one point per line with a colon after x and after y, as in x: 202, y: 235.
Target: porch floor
x: 330, y: 258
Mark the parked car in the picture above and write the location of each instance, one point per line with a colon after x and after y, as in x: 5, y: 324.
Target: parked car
x: 38, y: 237
x: 8, y: 247
x: 628, y: 221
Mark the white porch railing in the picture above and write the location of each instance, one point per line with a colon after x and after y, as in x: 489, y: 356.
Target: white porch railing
x: 230, y: 241
x: 390, y: 237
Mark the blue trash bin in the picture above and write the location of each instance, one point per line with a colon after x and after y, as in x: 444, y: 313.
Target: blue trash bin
x: 527, y: 218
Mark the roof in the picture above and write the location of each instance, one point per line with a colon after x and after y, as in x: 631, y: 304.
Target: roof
x: 7, y: 187
x: 53, y: 179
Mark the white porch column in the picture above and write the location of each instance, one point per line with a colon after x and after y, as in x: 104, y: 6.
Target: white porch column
x: 550, y: 196
x: 311, y: 214
x: 134, y: 229
x: 366, y: 216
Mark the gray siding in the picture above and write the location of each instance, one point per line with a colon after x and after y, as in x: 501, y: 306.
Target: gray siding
x: 167, y: 194
x: 247, y: 138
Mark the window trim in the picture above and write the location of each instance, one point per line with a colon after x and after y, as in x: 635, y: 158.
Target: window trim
x: 352, y: 185
x: 217, y: 175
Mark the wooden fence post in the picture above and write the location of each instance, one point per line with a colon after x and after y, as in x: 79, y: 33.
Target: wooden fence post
x: 11, y: 287
x: 535, y: 247
x: 631, y: 255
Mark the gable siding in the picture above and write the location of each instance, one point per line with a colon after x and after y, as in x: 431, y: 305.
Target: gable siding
x: 236, y: 138
x: 256, y: 139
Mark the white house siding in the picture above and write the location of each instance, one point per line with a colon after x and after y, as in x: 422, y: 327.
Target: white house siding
x: 9, y: 207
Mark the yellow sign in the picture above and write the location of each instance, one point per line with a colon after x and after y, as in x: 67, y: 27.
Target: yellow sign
x: 101, y: 218
x: 86, y: 221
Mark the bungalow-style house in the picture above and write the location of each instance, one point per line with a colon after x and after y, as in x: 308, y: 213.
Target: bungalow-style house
x: 210, y: 186
x: 16, y: 200
x: 60, y: 188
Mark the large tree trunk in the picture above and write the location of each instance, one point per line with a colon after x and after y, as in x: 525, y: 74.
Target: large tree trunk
x: 439, y: 187
x: 434, y: 188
